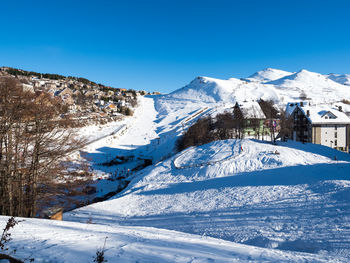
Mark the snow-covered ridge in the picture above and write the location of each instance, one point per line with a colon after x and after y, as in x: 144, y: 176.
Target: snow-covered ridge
x: 269, y: 84
x: 341, y: 79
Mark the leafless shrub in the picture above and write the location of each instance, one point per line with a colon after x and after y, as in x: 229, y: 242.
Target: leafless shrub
x: 100, y: 254
x: 345, y: 101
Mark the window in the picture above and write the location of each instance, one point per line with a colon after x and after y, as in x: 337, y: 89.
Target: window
x: 335, y: 143
x: 335, y: 135
x: 335, y: 128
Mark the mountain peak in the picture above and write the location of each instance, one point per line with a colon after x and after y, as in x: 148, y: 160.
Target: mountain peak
x: 269, y: 74
x: 306, y: 72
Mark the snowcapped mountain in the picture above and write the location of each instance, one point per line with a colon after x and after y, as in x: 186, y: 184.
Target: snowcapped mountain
x: 342, y: 79
x: 268, y: 84
x: 304, y: 78
x: 314, y: 85
x: 268, y: 74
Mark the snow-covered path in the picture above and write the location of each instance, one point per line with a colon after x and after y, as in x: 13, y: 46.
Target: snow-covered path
x: 134, y: 138
x: 142, y: 129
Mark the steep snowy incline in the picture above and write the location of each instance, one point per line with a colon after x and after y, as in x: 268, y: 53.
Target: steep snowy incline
x: 54, y: 241
x: 289, y: 196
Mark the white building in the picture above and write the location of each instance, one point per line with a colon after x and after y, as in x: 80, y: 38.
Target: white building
x: 323, y: 125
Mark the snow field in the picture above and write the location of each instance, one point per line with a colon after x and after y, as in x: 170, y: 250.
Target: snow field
x: 56, y: 242
x: 296, y: 200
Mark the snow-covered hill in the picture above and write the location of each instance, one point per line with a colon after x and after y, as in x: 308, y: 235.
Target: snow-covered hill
x: 342, y: 79
x: 268, y: 74
x: 208, y: 90
x: 289, y: 196
x: 313, y: 85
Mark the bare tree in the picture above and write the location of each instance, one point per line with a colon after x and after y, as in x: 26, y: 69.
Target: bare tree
x: 303, y: 95
x: 286, y: 125
x: 271, y: 114
x: 34, y: 137
x: 224, y: 125
x: 197, y: 134
x: 238, y: 123
x: 255, y: 124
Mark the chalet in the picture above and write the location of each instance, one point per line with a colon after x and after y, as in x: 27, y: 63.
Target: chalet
x: 50, y: 85
x: 89, y: 93
x: 253, y: 116
x: 68, y: 100
x: 110, y: 93
x: 77, y: 92
x: 111, y: 108
x: 64, y: 92
x: 323, y: 125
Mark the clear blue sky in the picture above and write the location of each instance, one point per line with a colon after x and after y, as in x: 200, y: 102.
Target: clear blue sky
x: 162, y: 45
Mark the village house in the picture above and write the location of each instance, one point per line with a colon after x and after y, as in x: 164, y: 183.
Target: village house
x: 77, y: 92
x: 66, y: 91
x: 253, y: 116
x: 322, y: 124
x: 110, y: 108
x: 28, y: 87
x: 89, y: 93
x: 50, y: 85
x: 121, y: 103
x: 110, y: 93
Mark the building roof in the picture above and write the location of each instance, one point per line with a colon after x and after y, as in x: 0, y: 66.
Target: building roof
x: 251, y: 110
x: 324, y: 114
